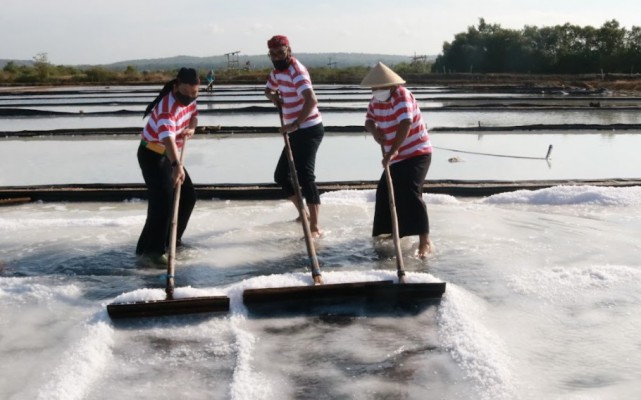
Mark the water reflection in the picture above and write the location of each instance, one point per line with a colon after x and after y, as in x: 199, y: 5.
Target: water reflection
x: 251, y: 159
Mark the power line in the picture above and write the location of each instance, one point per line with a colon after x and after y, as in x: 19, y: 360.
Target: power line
x: 547, y: 156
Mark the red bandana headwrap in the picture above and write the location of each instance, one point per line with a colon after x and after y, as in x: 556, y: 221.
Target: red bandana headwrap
x: 278, y: 41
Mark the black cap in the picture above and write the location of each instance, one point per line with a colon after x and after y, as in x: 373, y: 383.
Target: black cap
x: 188, y: 75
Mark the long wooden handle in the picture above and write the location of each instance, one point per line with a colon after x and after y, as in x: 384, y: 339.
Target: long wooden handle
x: 400, y: 268
x: 171, y: 262
x: 300, y: 204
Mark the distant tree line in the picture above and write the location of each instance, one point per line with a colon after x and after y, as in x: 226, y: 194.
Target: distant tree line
x: 560, y: 49
x: 488, y: 48
x: 42, y: 72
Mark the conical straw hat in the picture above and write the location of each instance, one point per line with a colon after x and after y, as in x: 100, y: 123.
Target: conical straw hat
x: 380, y: 76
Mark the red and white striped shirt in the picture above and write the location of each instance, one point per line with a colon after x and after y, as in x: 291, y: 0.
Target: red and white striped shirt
x: 168, y: 118
x: 291, y: 83
x: 388, y: 115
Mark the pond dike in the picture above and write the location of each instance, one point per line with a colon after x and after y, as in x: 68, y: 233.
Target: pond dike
x: 122, y: 192
x: 224, y: 131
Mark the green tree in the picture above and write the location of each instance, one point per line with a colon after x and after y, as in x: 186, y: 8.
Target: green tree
x: 560, y: 49
x: 131, y: 73
x: 11, y: 67
x: 610, y: 45
x: 42, y: 66
x: 631, y: 58
x: 99, y: 74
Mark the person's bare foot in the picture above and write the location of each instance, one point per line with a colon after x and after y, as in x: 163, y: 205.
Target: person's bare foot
x: 425, y: 247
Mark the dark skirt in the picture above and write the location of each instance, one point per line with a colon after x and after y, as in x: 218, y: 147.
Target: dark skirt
x: 156, y: 170
x: 407, y: 177
x: 304, y: 143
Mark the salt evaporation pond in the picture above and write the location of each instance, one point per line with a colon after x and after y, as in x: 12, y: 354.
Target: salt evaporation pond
x: 543, y: 287
x: 543, y: 301
x: 251, y: 159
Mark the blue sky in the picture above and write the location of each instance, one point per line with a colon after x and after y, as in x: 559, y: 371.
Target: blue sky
x: 95, y: 32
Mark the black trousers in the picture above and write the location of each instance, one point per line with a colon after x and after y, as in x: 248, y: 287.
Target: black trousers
x: 407, y: 177
x: 304, y: 143
x: 156, y: 170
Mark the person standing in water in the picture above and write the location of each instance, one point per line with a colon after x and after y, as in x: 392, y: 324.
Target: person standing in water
x: 173, y: 119
x: 395, y: 121
x: 210, y: 80
x: 290, y: 88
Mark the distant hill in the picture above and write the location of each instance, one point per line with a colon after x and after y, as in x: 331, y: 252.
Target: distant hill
x: 17, y: 62
x: 338, y: 60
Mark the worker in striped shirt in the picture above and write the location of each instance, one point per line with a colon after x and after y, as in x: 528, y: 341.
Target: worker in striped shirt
x: 290, y: 88
x: 394, y: 120
x: 173, y: 119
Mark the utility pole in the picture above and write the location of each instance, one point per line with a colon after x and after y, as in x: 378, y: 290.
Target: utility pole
x: 418, y: 59
x: 232, y: 61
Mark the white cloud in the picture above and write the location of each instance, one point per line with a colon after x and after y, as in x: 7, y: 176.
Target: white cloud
x: 77, y: 31
x: 215, y: 29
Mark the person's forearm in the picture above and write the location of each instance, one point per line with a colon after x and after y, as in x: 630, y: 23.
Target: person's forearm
x: 370, y: 126
x: 172, y: 149
x: 272, y: 95
x: 309, y: 104
x: 193, y: 122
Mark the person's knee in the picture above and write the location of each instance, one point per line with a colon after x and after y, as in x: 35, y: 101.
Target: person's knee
x: 311, y: 194
x: 281, y: 176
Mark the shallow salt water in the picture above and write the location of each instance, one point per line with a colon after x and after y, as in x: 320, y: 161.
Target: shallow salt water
x: 543, y: 301
x: 341, y: 105
x: 252, y: 159
x: 433, y: 118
